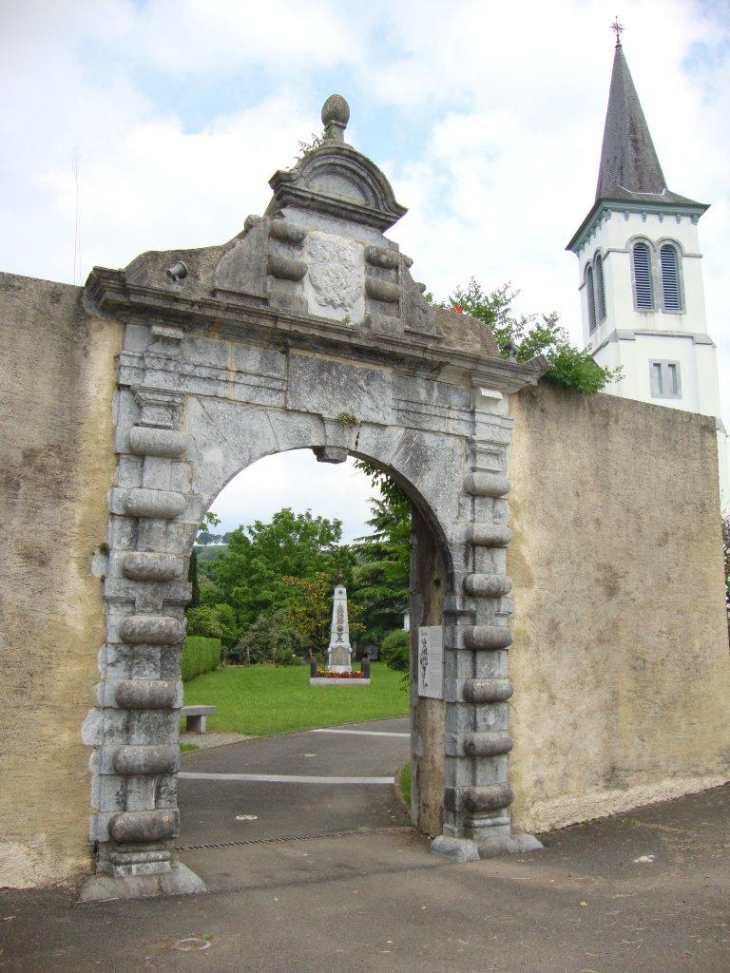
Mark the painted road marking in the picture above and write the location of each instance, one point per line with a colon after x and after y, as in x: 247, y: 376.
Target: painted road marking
x: 362, y: 733
x: 289, y: 779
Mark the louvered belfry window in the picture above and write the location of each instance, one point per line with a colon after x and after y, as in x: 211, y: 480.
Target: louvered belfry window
x: 670, y: 278
x: 591, y: 297
x: 600, y: 290
x: 642, y: 277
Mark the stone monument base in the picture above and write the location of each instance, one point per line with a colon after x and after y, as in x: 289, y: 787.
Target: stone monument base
x: 334, y: 681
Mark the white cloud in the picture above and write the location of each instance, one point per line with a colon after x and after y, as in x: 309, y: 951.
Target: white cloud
x: 298, y: 481
x: 197, y: 37
x: 487, y: 117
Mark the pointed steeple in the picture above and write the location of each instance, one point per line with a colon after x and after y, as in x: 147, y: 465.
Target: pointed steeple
x: 629, y: 168
x: 629, y: 173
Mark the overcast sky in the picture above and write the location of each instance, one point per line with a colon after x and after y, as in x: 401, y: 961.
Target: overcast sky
x: 487, y: 117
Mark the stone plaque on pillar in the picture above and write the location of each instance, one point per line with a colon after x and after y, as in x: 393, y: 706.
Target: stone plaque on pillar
x: 431, y: 661
x: 339, y: 654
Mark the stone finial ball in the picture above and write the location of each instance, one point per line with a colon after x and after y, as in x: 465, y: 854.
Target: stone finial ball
x: 335, y: 109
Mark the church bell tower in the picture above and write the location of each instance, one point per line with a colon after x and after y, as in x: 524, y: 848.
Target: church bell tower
x: 641, y: 287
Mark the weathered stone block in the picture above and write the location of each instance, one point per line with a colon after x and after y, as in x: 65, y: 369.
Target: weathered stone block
x: 146, y: 694
x: 133, y: 826
x: 487, y: 637
x: 154, y: 726
x: 150, y: 566
x: 150, y: 441
x: 491, y: 797
x: 329, y: 387
x: 455, y: 849
x: 145, y: 760
x: 487, y: 485
x: 487, y: 690
x: 382, y: 257
x: 287, y: 232
x: 382, y: 290
x: 159, y: 504
x: 152, y: 630
x: 488, y: 535
x: 487, y: 744
x: 487, y: 585
x: 285, y: 268
x: 331, y: 454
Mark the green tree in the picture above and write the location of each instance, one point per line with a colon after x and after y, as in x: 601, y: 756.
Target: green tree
x: 272, y: 638
x: 381, y: 573
x: 395, y: 650
x: 194, y: 581
x: 527, y: 336
x: 265, y: 565
x: 214, y: 622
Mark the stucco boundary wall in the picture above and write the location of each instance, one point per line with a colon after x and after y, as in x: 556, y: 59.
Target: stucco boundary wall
x: 57, y: 462
x: 620, y: 658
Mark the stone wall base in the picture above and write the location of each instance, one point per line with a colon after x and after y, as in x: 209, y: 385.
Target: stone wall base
x: 469, y: 850
x: 179, y: 881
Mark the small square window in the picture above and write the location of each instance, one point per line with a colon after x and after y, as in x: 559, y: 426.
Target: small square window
x: 665, y: 380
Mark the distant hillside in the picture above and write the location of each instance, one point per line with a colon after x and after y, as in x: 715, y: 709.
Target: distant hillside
x: 206, y: 552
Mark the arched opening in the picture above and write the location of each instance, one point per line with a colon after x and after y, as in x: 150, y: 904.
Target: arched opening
x: 215, y: 808
x: 671, y: 289
x: 600, y: 290
x: 643, y: 286
x: 591, y: 298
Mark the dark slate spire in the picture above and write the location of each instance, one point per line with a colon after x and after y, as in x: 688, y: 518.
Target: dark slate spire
x: 630, y: 168
x: 630, y: 174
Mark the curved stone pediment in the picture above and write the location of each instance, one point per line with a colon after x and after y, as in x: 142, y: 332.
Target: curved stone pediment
x: 339, y: 181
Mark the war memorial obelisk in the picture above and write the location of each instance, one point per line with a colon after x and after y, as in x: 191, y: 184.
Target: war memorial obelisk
x: 339, y: 653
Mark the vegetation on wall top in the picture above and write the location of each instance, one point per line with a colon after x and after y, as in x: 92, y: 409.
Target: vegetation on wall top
x: 527, y: 336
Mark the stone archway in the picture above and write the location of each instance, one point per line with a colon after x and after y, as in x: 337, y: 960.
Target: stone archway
x: 305, y: 331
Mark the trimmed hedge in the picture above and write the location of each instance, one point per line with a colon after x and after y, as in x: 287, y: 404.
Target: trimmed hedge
x: 200, y: 655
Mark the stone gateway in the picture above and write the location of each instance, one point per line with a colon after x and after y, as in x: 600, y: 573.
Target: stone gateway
x: 263, y: 345
x: 308, y: 331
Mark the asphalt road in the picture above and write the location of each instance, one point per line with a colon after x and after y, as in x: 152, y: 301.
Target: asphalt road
x: 295, y: 785
x: 644, y: 892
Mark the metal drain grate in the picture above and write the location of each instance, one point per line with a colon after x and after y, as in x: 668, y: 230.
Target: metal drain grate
x: 286, y: 838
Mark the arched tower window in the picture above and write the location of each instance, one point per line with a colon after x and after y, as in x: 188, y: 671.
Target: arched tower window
x: 591, y: 298
x: 670, y: 278
x: 600, y: 290
x: 644, y: 295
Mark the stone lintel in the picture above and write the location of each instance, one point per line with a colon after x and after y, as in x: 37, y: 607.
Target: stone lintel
x: 248, y: 319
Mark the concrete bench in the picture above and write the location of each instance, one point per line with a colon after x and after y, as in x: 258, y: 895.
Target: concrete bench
x: 195, y: 717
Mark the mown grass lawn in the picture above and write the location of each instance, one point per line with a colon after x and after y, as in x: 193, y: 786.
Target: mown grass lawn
x: 261, y: 700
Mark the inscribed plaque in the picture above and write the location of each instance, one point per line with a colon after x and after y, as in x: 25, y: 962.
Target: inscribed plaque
x: 431, y: 661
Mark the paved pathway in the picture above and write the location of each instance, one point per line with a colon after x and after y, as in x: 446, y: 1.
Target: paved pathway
x: 645, y: 892
x: 329, y: 781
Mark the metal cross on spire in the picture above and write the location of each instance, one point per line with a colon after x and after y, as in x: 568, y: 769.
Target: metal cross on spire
x: 618, y: 30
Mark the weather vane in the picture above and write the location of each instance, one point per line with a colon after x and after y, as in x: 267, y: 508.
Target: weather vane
x: 618, y: 30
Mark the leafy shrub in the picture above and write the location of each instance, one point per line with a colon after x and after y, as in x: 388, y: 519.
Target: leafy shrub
x: 213, y: 622
x: 525, y: 337
x: 395, y: 650
x: 272, y: 638
x: 200, y: 655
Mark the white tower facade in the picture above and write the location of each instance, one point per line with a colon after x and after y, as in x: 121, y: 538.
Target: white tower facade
x: 640, y: 267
